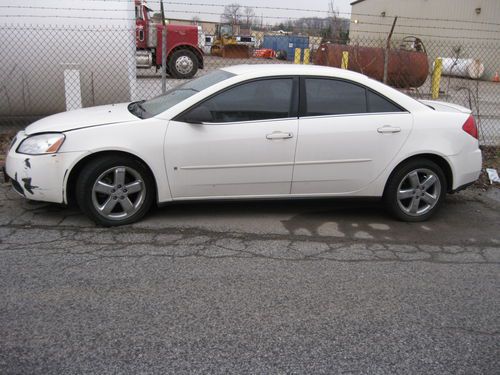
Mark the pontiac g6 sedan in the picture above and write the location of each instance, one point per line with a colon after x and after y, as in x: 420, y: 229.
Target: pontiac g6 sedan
x: 250, y: 132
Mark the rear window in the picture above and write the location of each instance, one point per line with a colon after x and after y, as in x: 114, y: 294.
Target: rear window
x: 332, y: 97
x: 377, y: 103
x: 337, y: 97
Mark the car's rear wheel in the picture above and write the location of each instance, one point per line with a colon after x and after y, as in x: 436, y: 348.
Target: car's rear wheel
x: 416, y: 190
x: 115, y: 190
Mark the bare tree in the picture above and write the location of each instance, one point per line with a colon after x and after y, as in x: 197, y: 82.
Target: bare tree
x: 232, y: 13
x: 333, y: 11
x: 249, y: 16
x: 336, y: 29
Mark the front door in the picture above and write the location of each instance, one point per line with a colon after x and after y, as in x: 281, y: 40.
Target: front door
x: 244, y: 147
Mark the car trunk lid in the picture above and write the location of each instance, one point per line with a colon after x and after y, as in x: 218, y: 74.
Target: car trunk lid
x: 445, y: 106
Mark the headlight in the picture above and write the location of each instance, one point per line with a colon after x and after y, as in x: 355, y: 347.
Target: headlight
x: 48, y: 143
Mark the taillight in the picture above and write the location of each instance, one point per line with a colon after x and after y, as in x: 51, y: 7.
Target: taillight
x: 470, y: 127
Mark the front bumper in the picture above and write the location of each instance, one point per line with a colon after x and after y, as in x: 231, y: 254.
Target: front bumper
x: 39, y: 177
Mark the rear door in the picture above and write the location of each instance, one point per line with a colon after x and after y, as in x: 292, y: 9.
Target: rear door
x: 244, y: 147
x: 348, y: 135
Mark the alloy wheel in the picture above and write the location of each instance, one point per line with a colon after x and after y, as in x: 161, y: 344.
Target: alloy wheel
x: 419, y: 192
x: 118, y: 193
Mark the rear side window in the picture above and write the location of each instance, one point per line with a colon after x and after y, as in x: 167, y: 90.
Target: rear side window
x: 252, y: 101
x: 332, y: 97
x: 336, y: 97
x: 377, y: 103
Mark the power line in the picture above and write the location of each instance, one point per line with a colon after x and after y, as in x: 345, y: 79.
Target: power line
x: 95, y: 27
x: 65, y: 8
x: 210, y: 13
x: 430, y: 36
x: 197, y: 4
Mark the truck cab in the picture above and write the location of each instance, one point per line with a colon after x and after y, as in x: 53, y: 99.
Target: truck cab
x: 184, y: 56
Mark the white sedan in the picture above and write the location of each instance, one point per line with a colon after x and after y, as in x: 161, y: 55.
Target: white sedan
x: 251, y: 132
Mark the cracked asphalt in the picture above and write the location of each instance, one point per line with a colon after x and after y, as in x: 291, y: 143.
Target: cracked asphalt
x: 270, y: 287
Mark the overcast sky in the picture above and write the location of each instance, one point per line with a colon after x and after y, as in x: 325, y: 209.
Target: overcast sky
x: 317, y: 8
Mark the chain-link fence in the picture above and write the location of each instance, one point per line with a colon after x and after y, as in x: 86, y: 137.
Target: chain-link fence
x: 47, y: 69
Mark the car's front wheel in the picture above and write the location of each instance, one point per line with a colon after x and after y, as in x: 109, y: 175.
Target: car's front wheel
x: 115, y: 190
x: 416, y: 190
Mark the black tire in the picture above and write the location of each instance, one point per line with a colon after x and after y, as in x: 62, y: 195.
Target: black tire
x: 189, y: 57
x: 87, y: 198
x: 398, y: 206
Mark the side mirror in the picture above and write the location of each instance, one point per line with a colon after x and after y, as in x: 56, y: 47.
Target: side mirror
x: 199, y: 115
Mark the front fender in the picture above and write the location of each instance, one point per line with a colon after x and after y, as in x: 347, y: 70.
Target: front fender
x: 143, y: 139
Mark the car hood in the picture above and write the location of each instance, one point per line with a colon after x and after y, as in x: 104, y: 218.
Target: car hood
x: 82, y: 118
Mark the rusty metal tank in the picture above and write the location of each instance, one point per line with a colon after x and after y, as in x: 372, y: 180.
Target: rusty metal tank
x: 406, y: 68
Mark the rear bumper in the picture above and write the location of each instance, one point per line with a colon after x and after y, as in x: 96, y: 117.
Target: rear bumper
x: 467, y: 168
x: 460, y: 188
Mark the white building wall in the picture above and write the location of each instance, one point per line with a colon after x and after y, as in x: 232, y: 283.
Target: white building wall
x: 41, y: 39
x: 478, y: 37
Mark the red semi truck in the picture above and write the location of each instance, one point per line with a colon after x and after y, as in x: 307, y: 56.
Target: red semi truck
x: 184, y: 57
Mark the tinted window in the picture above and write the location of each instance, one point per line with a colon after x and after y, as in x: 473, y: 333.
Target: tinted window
x: 331, y: 97
x: 376, y: 103
x: 257, y: 100
x: 155, y: 106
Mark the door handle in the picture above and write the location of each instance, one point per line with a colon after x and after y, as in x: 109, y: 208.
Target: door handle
x: 279, y: 135
x: 389, y: 129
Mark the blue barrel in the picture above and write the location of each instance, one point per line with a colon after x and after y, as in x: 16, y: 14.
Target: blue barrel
x: 286, y: 43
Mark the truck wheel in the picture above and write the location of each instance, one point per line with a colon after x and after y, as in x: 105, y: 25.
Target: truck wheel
x: 183, y: 64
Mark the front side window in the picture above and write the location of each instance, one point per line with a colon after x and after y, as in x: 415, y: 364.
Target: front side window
x: 138, y: 12
x: 257, y: 100
x: 155, y: 106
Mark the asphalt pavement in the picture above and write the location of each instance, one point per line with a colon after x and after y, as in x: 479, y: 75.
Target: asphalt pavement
x: 269, y: 287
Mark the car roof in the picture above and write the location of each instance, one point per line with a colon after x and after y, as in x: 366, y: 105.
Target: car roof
x: 263, y: 70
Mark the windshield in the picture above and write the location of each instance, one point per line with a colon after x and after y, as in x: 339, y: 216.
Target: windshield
x: 155, y: 106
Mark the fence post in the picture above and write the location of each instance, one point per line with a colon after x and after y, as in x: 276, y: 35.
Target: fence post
x: 436, y: 77
x: 163, y: 52
x: 72, y: 89
x: 298, y: 51
x: 387, y: 48
x: 345, y: 60
x: 307, y: 55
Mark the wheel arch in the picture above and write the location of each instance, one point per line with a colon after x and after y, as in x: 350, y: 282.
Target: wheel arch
x: 438, y: 159
x: 74, y: 172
